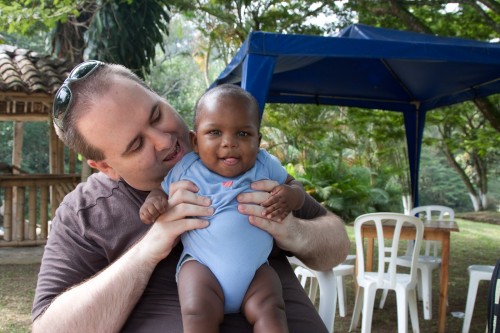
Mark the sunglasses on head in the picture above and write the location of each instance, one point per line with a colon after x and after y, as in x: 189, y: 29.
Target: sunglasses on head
x: 62, y: 99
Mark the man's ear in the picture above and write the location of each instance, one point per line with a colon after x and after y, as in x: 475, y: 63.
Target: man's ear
x: 194, y: 141
x: 104, y: 168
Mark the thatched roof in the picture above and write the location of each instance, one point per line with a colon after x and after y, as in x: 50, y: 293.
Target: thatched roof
x: 28, y: 81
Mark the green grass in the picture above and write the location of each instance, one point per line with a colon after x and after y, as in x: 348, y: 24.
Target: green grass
x: 17, y: 289
x: 476, y: 243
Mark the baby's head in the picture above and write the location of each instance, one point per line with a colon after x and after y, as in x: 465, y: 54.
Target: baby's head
x: 226, y: 130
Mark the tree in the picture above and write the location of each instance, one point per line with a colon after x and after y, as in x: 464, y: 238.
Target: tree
x: 120, y: 31
x: 469, y: 144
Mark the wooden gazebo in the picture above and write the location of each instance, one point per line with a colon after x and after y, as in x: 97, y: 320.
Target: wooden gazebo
x: 28, y: 81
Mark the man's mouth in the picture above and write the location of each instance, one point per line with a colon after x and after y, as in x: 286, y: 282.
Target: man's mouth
x: 174, y: 153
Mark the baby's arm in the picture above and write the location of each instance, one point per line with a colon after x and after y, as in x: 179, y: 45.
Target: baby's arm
x: 284, y: 198
x: 154, y: 205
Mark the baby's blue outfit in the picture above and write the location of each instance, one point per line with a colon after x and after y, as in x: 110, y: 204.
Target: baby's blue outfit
x: 230, y: 246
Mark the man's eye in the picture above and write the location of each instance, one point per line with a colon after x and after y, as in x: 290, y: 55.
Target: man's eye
x: 214, y: 132
x: 136, y: 146
x: 156, y: 116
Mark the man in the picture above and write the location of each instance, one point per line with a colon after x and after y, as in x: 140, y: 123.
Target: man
x: 103, y: 270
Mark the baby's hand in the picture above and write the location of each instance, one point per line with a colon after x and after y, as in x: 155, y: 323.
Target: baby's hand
x: 154, y: 206
x: 279, y: 204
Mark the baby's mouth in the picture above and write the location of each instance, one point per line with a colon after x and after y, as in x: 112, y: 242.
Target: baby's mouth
x: 231, y: 160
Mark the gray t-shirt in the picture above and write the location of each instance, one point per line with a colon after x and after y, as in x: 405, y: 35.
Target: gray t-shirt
x: 97, y: 222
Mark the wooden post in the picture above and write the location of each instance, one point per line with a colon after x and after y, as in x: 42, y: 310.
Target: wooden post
x: 19, y: 217
x: 32, y: 213
x: 17, y: 157
x: 44, y: 211
x: 7, y: 214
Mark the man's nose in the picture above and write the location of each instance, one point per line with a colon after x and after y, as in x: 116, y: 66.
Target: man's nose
x: 162, y: 140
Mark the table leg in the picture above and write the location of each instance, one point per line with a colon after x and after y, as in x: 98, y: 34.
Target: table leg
x: 369, y: 255
x: 443, y: 290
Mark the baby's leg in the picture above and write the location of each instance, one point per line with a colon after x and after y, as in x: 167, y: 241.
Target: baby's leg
x: 201, y: 298
x: 263, y: 305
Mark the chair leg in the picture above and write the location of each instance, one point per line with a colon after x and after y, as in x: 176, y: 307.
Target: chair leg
x: 471, y: 299
x: 426, y: 291
x: 313, y: 289
x: 412, y: 305
x: 402, y: 306
x: 368, y: 304
x: 341, y: 295
x: 356, y: 312
x: 419, y: 283
x: 383, y: 298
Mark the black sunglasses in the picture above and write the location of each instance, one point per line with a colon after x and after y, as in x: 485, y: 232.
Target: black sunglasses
x: 62, y: 99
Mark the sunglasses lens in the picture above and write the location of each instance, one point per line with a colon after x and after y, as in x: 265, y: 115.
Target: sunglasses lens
x: 83, y: 69
x: 61, y: 102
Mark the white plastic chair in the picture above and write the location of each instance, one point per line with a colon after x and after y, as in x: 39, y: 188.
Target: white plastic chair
x: 387, y: 276
x: 430, y: 260
x: 476, y: 273
x: 340, y: 272
x: 327, y: 292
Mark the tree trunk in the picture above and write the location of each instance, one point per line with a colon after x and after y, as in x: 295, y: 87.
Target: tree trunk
x: 475, y: 201
x: 407, y: 203
x: 489, y: 112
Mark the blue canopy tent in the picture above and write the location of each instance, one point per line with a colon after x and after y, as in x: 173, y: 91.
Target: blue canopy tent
x: 368, y: 67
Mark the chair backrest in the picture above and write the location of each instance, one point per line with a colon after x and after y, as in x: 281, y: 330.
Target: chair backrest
x: 433, y: 213
x: 387, y: 255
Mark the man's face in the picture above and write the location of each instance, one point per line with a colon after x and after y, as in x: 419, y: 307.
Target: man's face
x: 141, y: 135
x: 227, y: 136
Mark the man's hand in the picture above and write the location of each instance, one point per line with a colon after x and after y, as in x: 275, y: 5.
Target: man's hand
x: 183, y: 203
x: 285, y: 231
x: 321, y: 243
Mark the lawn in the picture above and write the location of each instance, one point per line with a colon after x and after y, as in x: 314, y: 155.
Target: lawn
x: 476, y: 243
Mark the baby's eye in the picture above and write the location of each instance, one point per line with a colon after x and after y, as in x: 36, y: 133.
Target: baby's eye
x: 243, y: 133
x: 214, y: 132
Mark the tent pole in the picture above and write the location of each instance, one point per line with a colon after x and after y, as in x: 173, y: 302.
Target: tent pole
x: 256, y: 77
x: 414, y: 125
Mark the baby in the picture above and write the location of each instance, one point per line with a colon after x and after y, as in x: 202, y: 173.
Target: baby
x: 223, y: 268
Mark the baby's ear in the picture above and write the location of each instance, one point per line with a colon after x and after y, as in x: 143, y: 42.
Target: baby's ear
x: 194, y: 141
x: 260, y: 137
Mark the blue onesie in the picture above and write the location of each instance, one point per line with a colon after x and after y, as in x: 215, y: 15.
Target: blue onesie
x: 230, y: 246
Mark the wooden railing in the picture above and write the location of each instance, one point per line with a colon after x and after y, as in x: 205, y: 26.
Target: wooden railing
x: 42, y: 194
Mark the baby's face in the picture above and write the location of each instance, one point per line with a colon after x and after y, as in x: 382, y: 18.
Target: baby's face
x: 227, y: 137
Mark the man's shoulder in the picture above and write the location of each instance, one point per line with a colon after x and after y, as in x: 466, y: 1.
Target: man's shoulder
x: 87, y: 193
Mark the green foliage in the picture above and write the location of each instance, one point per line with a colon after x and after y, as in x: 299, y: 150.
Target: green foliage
x: 347, y: 190
x: 127, y: 32
x: 35, y: 150
x: 177, y: 74
x: 29, y: 17
x: 36, y: 147
x: 439, y: 184
x: 6, y: 138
